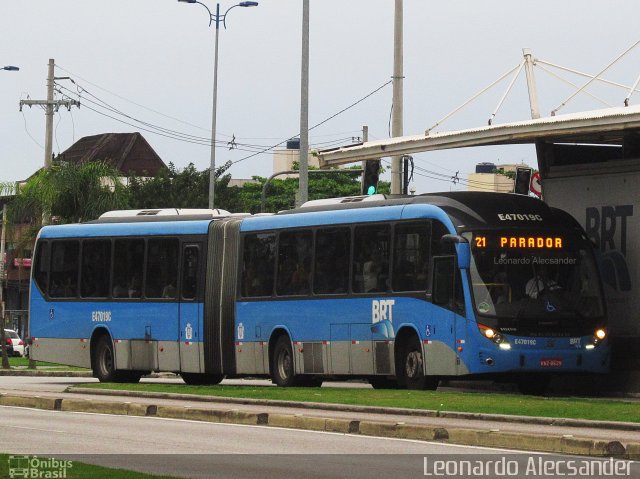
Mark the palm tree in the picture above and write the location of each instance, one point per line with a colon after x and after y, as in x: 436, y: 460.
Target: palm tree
x: 70, y: 193
x: 67, y: 193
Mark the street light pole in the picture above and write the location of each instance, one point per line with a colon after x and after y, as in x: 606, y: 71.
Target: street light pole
x: 398, y: 77
x: 212, y: 164
x: 218, y: 18
x: 303, y: 180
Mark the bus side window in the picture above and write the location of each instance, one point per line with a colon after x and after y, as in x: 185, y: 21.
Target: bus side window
x: 411, y: 256
x: 190, y: 272
x: 41, y: 266
x: 443, y: 281
x: 294, y: 263
x: 447, y: 284
x: 372, y: 250
x: 258, y: 265
x: 333, y: 248
x: 64, y: 269
x: 128, y: 268
x: 162, y: 268
x: 95, y: 273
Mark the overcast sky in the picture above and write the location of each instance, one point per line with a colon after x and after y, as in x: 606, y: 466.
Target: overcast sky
x: 158, y: 54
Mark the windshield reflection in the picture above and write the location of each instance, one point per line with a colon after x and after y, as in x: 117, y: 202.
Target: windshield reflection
x: 536, y: 283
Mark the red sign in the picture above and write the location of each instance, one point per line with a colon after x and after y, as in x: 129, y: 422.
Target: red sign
x: 25, y: 262
x: 536, y: 184
x: 551, y: 363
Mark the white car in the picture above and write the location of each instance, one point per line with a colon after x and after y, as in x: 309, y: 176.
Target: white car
x: 18, y: 344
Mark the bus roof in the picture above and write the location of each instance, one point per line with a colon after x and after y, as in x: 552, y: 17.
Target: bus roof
x: 458, y: 210
x: 462, y: 210
x: 157, y: 228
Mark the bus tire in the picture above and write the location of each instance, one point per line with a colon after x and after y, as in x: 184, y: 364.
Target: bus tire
x: 413, y: 367
x: 196, y: 379
x: 104, y: 365
x: 283, y: 373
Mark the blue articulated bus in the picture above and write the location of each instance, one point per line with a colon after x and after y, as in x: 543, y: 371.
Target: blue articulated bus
x: 401, y: 291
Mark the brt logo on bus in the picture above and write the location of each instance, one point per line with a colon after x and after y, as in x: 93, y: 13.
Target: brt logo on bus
x: 382, y: 309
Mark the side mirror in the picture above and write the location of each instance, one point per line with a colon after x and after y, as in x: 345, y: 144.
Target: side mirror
x: 455, y: 239
x: 464, y: 255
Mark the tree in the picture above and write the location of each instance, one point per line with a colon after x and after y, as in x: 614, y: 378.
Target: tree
x: 189, y: 188
x: 69, y: 193
x: 173, y: 188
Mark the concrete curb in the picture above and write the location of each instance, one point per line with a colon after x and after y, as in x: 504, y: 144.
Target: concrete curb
x: 44, y: 373
x: 545, y: 421
x: 473, y: 437
x: 62, y: 374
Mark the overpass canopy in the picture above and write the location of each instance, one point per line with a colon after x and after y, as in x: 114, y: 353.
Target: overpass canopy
x: 611, y: 126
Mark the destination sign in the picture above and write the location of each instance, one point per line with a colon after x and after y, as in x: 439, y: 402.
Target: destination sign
x: 519, y: 242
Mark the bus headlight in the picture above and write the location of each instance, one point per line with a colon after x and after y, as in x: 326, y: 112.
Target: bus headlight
x: 492, y: 334
x: 598, y: 336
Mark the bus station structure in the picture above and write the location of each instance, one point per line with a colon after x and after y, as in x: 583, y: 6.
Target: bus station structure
x: 589, y: 165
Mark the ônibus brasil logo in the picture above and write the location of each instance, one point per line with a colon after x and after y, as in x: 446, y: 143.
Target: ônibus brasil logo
x: 38, y: 468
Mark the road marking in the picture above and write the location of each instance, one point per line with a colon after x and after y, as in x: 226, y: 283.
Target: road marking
x: 37, y: 429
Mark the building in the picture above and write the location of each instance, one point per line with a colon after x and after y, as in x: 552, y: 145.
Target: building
x: 492, y: 177
x: 129, y: 153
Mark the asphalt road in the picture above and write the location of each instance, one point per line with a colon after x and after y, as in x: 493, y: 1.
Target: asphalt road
x: 53, y: 386
x: 197, y: 449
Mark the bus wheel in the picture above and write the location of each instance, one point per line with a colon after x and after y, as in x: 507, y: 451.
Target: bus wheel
x: 283, y: 373
x: 195, y: 379
x: 104, y: 367
x: 413, y: 368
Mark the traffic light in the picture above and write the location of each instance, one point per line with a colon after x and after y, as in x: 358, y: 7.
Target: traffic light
x: 370, y: 177
x: 523, y: 180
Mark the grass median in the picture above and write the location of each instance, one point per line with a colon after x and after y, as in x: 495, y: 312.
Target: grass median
x: 472, y: 402
x: 19, y: 465
x: 22, y: 362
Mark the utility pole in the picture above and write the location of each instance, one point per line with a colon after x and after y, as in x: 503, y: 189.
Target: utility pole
x: 396, y: 126
x: 51, y: 107
x: 531, y: 84
x: 303, y: 180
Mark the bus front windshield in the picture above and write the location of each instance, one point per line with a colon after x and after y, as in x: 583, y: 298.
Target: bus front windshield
x: 535, y: 275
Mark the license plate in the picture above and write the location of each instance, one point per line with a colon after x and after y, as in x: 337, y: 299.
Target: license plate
x: 551, y: 363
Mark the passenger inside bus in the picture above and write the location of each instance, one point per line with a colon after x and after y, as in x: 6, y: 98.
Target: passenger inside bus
x: 372, y: 272
x: 540, y: 283
x: 169, y: 291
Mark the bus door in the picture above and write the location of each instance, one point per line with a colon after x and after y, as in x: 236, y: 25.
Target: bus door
x: 448, y: 295
x: 190, y: 309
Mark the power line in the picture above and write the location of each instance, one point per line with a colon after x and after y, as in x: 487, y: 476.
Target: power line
x: 318, y: 124
x: 178, y: 135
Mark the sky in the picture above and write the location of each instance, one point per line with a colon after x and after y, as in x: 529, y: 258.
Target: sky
x: 152, y: 60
